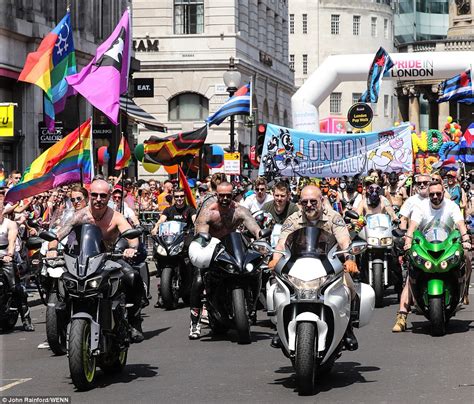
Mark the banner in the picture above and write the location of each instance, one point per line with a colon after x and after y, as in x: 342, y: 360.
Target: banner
x: 6, y: 120
x: 289, y: 153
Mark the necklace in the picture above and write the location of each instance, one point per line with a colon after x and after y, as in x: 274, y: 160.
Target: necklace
x: 99, y: 219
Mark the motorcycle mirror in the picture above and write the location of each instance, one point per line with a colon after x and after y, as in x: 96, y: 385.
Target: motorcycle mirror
x: 262, y: 247
x: 265, y: 233
x: 341, y: 252
x: 350, y: 214
x: 358, y: 247
x: 398, y: 232
x: 34, y: 243
x: 48, y: 236
x: 131, y: 233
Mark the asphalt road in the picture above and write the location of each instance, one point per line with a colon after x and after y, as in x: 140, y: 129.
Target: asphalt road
x: 411, y: 367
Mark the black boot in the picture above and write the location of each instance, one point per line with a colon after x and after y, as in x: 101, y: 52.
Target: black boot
x: 136, y: 332
x: 350, y: 340
x: 275, y: 341
x: 24, y: 309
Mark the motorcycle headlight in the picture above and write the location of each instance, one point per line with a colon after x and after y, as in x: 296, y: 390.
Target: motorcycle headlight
x: 70, y: 284
x: 307, y: 290
x: 161, y: 250
x: 443, y: 264
x: 373, y: 241
x: 93, y: 283
x: 386, y: 241
x: 249, y: 267
x: 177, y: 248
x: 428, y: 264
x: 418, y: 260
x: 230, y: 268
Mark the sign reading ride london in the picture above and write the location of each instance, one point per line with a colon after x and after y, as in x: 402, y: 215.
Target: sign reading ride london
x: 293, y: 153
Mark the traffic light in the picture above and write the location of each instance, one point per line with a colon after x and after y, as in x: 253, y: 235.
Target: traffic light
x: 246, y: 162
x: 261, y: 129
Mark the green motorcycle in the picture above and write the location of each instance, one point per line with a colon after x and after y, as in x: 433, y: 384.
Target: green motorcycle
x: 437, y: 275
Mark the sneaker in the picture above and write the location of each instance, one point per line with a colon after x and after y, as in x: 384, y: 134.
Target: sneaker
x: 401, y: 323
x: 43, y: 345
x: 194, y: 331
x: 27, y: 326
x: 136, y: 335
x: 253, y: 317
x: 204, y: 316
x: 159, y: 303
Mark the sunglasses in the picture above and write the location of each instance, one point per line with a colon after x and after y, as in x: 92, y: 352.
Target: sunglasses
x: 96, y: 195
x: 77, y: 200
x: 261, y: 189
x: 179, y: 197
x: 223, y: 196
x: 437, y: 194
x: 312, y: 202
x: 424, y: 183
x: 374, y: 189
x: 116, y: 197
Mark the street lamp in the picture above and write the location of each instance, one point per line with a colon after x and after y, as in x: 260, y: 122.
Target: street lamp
x: 232, y: 81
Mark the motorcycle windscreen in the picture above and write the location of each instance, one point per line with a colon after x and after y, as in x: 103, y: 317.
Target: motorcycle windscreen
x: 304, y: 242
x: 379, y: 221
x: 85, y: 241
x: 235, y: 246
x: 436, y: 234
x: 169, y: 231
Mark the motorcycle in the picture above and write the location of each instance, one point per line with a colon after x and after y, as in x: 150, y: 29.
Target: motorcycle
x: 379, y: 264
x: 173, y: 264
x: 8, y: 304
x: 98, y: 333
x: 312, y: 305
x: 437, y: 274
x: 232, y: 284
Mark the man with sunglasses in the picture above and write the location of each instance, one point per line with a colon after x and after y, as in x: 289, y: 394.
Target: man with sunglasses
x: 180, y: 211
x: 256, y: 201
x: 216, y: 219
x: 458, y: 196
x: 112, y: 224
x: 315, y: 213
x: 129, y: 214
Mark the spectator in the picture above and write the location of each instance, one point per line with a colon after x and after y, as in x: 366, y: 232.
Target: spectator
x: 256, y: 201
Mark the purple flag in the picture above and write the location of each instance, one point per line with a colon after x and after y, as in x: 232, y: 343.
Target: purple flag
x: 105, y: 78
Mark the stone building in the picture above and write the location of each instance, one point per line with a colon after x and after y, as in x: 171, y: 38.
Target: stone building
x: 23, y: 24
x: 185, y: 46
x: 318, y: 29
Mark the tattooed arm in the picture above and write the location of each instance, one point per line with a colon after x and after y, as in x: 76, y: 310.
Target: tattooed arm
x: 248, y: 220
x: 66, y: 224
x: 202, y: 222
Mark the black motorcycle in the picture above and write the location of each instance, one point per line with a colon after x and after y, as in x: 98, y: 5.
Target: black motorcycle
x: 232, y: 284
x: 98, y: 332
x: 8, y: 304
x: 173, y: 264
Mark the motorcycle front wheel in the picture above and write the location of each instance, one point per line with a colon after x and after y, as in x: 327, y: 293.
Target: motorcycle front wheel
x: 82, y: 365
x: 437, y: 316
x: 169, y: 287
x: 305, y: 364
x: 241, y: 319
x: 377, y: 279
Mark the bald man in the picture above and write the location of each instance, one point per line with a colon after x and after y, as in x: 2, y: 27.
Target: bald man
x: 111, y: 224
x: 315, y: 213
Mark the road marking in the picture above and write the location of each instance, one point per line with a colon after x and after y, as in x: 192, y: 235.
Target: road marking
x: 15, y: 383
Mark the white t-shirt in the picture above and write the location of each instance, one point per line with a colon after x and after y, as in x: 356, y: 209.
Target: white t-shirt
x: 411, y: 204
x: 253, y: 205
x: 446, y: 216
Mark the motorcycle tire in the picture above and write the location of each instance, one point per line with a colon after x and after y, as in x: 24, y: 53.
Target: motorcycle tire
x: 8, y: 322
x: 169, y: 288
x: 242, y: 323
x: 437, y: 316
x: 216, y: 327
x: 305, y: 364
x: 82, y: 365
x: 116, y: 363
x: 55, y: 331
x: 377, y: 279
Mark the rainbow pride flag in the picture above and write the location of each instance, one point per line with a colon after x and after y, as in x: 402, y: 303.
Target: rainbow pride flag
x: 66, y: 162
x: 123, y: 155
x: 49, y: 66
x: 2, y: 176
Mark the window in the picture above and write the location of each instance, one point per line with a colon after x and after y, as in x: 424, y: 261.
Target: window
x: 188, y: 107
x: 356, y: 25
x: 292, y: 23
x: 305, y: 23
x: 305, y: 64
x: 386, y: 110
x: 292, y: 63
x: 374, y: 26
x: 335, y: 24
x: 188, y: 17
x: 356, y: 97
x: 335, y: 103
x: 385, y: 28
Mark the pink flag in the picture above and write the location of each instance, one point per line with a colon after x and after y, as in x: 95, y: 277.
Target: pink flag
x: 105, y: 78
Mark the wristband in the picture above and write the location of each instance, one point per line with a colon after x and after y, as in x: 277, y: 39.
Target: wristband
x: 410, y: 237
x: 52, y: 249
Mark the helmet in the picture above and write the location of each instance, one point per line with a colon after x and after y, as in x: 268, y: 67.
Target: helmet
x: 201, y: 250
x: 264, y: 219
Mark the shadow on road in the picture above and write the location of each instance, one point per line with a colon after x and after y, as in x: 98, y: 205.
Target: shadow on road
x: 154, y: 333
x: 130, y: 373
x: 453, y: 327
x: 231, y: 336
x: 343, y: 374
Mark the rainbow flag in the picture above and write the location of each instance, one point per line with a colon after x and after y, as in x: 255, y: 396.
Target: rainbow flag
x: 187, y: 190
x: 123, y: 155
x: 66, y: 162
x: 2, y: 176
x: 49, y: 66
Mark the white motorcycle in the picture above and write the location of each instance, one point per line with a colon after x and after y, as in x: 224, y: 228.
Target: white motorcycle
x: 312, y: 305
x: 379, y: 266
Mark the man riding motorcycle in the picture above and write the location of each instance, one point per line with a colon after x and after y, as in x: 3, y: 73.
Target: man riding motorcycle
x: 217, y: 219
x: 374, y: 202
x: 112, y: 224
x: 281, y: 207
x: 315, y: 213
x: 395, y: 193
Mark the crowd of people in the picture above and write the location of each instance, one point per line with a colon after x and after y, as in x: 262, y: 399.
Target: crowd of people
x: 224, y: 206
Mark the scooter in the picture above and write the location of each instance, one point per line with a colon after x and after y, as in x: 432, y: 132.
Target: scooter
x: 312, y: 305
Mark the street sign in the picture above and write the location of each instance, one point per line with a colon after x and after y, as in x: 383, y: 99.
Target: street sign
x: 143, y: 87
x: 232, y: 163
x: 360, y: 115
x: 6, y: 120
x: 47, y: 138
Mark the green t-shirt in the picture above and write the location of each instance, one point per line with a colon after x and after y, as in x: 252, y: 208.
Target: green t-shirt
x: 280, y: 217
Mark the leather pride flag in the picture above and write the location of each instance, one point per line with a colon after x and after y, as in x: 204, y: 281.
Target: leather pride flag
x: 174, y: 149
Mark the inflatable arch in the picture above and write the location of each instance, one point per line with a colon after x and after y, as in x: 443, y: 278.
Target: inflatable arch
x: 340, y: 68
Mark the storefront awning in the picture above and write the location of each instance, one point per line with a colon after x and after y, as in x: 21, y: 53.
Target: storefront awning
x: 138, y: 115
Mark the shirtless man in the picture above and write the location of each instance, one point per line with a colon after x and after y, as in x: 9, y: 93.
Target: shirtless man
x: 218, y: 219
x: 373, y: 202
x: 395, y: 193
x: 112, y: 224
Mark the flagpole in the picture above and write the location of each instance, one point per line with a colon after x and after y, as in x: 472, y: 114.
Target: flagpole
x: 91, y: 148
x: 79, y: 134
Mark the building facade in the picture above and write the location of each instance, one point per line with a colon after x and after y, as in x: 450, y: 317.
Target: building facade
x: 23, y: 24
x: 321, y: 28
x: 185, y: 46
